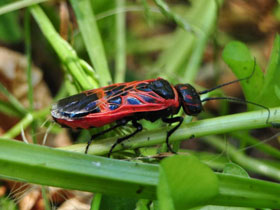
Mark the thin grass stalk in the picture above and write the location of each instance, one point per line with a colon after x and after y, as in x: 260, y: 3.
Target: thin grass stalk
x: 120, y: 56
x: 248, y: 163
x: 27, y: 43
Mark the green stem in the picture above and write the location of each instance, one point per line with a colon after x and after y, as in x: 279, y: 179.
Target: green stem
x: 92, y: 39
x: 45, y: 197
x: 251, y: 164
x: 65, y: 52
x: 256, y: 143
x: 120, y: 43
x: 218, y: 125
x: 173, y: 16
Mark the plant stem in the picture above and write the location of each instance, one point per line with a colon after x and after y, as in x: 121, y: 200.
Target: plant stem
x: 256, y: 143
x: 218, y: 125
x: 65, y: 52
x: 92, y: 39
x: 251, y: 164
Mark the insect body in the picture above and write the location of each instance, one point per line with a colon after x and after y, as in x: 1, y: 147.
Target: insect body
x: 148, y: 99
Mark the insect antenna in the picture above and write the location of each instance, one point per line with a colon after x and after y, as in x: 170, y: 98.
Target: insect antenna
x: 231, y: 82
x: 241, y: 101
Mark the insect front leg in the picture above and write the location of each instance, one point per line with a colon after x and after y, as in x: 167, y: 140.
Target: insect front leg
x: 169, y: 133
x: 119, y: 123
x: 138, y: 127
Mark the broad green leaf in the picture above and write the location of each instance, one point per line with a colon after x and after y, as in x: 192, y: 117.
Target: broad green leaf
x: 239, y: 59
x: 260, y: 88
x: 53, y: 167
x: 185, y: 182
x: 234, y: 169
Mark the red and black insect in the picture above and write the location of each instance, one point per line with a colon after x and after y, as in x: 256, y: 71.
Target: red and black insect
x: 132, y: 101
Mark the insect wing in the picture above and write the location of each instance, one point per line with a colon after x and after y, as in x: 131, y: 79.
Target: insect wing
x: 94, y: 101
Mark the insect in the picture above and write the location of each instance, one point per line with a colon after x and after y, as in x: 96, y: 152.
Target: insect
x: 130, y: 102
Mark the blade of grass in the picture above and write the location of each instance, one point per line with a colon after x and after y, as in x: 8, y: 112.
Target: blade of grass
x: 18, y: 5
x: 65, y: 52
x: 92, y: 39
x: 183, y: 57
x: 76, y: 171
x: 218, y: 125
x: 27, y: 43
x: 58, y: 168
x: 7, y: 108
x: 14, y: 102
x: 120, y: 56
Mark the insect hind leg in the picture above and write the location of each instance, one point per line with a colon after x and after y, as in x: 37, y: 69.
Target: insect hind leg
x: 119, y: 123
x: 138, y: 127
x: 169, y: 133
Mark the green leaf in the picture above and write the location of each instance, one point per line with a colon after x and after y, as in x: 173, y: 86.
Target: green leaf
x: 260, y: 88
x: 234, y: 169
x: 179, y: 187
x: 270, y: 92
x: 47, y: 166
x: 239, y: 59
x: 53, y: 167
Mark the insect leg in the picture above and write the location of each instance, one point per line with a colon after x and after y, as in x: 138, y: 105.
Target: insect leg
x: 169, y: 133
x: 119, y: 123
x: 138, y: 127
